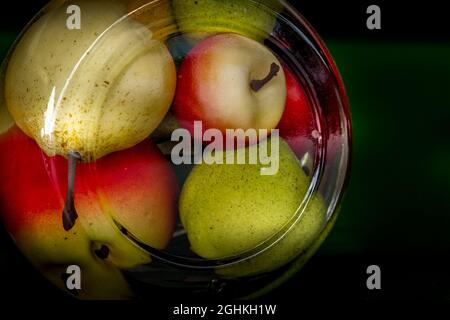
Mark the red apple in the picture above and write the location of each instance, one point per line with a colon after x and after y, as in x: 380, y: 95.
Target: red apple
x: 124, y: 195
x: 297, y: 125
x: 228, y: 81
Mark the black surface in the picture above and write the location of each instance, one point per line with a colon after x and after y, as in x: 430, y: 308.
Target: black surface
x: 401, y: 20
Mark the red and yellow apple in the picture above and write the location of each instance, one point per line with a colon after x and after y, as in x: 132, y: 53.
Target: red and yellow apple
x: 124, y: 196
x: 228, y: 81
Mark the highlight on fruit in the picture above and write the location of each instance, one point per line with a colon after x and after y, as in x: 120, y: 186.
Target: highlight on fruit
x: 170, y: 146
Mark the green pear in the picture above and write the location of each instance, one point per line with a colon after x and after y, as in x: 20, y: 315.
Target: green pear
x: 228, y: 210
x: 298, y: 262
x: 254, y: 19
x: 95, y: 90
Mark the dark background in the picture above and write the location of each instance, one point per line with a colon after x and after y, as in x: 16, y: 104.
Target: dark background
x: 396, y: 212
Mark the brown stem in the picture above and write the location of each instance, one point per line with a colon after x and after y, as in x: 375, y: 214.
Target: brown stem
x: 69, y: 215
x: 103, y: 252
x: 256, y: 85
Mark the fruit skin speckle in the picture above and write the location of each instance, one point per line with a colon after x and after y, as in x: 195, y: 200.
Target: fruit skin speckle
x: 69, y: 96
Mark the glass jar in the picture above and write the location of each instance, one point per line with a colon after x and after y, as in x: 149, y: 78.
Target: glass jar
x: 122, y: 126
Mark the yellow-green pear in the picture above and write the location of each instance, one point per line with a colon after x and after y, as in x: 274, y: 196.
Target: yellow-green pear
x: 156, y: 15
x: 6, y: 120
x: 228, y: 209
x: 254, y: 19
x: 101, y: 88
x: 298, y: 262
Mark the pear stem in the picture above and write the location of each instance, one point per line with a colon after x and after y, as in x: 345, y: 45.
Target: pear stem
x: 69, y: 215
x: 256, y: 85
x: 102, y: 253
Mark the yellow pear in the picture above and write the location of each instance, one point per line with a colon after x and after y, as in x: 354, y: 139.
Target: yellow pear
x: 94, y: 90
x: 84, y: 91
x: 229, y: 209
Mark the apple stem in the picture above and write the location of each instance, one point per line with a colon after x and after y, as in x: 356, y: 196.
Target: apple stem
x: 69, y: 215
x: 256, y: 85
